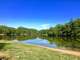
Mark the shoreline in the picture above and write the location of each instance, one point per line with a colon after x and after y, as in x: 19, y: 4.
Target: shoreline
x: 64, y: 51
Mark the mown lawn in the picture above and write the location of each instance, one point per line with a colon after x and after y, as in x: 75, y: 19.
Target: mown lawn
x: 29, y: 52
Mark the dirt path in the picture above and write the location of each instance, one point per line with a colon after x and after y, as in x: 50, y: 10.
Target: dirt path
x: 4, y: 56
x: 75, y: 53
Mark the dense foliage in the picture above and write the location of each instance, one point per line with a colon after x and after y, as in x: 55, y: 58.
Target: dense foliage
x: 20, y: 31
x: 70, y: 29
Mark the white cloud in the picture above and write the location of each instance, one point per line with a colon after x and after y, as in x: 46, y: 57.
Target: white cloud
x: 38, y: 27
x: 44, y: 26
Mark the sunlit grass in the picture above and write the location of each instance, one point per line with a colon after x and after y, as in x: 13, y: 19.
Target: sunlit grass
x: 29, y: 52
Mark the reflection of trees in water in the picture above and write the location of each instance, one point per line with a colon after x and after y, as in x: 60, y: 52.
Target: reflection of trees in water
x: 70, y: 43
x: 24, y: 37
x: 65, y: 42
x: 5, y: 37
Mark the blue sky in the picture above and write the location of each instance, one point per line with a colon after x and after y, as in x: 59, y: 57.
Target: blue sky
x: 39, y: 14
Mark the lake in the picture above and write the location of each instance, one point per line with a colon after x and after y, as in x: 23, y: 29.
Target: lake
x: 67, y: 43
x: 52, y: 42
x: 39, y: 42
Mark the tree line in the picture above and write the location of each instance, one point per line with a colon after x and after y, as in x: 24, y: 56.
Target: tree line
x: 20, y: 31
x: 70, y: 29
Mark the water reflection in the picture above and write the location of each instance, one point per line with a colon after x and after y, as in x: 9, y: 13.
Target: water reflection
x: 69, y: 43
x: 5, y: 37
x: 40, y: 42
x: 65, y: 42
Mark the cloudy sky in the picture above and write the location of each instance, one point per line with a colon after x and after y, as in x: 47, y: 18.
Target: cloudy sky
x: 39, y: 14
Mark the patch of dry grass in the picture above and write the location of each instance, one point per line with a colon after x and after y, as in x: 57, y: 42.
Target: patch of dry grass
x: 29, y: 52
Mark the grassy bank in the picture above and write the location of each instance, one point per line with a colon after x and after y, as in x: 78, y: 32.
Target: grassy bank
x: 29, y: 52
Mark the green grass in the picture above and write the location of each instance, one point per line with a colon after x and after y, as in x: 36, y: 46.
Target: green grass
x: 29, y: 52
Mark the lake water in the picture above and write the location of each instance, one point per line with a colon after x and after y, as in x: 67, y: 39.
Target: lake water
x: 40, y: 42
x: 69, y: 43
x: 52, y: 42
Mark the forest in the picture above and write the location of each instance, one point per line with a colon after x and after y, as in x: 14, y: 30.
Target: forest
x: 70, y: 29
